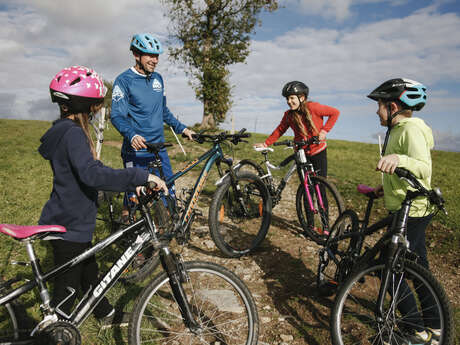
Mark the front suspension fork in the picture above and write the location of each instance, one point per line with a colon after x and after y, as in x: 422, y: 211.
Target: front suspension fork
x: 176, y: 276
x: 391, y: 258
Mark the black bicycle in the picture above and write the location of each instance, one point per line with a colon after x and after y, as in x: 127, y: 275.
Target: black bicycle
x: 318, y: 202
x: 190, y: 302
x: 384, y: 296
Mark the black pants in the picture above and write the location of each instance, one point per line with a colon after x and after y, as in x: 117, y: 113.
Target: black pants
x: 428, y: 316
x: 319, y: 162
x: 80, y: 278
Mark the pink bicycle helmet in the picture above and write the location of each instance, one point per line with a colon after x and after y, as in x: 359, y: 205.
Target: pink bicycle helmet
x: 78, y: 87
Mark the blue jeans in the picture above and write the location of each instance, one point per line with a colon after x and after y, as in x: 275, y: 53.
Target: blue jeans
x: 131, y: 160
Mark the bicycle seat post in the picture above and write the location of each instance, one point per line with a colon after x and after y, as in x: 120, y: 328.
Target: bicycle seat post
x: 37, y: 272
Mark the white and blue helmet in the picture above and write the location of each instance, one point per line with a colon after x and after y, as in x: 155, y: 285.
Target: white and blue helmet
x: 412, y: 94
x: 145, y: 43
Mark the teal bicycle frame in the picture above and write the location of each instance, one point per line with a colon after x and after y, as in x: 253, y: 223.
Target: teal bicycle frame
x: 214, y: 156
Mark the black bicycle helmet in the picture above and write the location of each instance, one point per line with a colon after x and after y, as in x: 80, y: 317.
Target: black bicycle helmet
x: 412, y: 94
x: 295, y: 88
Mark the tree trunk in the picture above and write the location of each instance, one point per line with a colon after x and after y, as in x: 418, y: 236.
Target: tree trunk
x: 208, y: 118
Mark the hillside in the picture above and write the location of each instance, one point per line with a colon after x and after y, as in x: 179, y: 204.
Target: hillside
x: 281, y: 274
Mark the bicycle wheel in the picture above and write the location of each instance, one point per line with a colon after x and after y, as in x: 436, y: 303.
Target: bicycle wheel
x: 239, y: 225
x: 251, y: 166
x: 336, y: 257
x: 316, y: 223
x: 221, y: 303
x: 12, y: 329
x: 414, y: 298
x: 147, y: 260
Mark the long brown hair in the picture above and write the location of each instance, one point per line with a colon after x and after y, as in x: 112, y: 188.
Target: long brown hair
x: 302, y: 111
x: 82, y: 120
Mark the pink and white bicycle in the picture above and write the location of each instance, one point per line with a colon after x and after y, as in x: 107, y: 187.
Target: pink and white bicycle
x: 318, y: 202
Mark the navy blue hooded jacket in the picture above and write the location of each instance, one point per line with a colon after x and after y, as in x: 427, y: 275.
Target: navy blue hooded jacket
x: 77, y: 178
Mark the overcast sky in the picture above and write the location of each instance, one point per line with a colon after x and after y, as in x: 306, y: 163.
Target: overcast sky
x: 342, y: 49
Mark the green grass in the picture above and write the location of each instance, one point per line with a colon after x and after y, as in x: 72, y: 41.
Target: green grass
x: 26, y: 182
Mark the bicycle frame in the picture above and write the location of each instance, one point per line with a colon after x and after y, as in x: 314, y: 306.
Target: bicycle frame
x: 92, y: 297
x: 212, y: 156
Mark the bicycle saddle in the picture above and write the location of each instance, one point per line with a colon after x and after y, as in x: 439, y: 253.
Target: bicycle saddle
x: 25, y: 231
x: 156, y: 147
x: 263, y: 149
x: 366, y: 190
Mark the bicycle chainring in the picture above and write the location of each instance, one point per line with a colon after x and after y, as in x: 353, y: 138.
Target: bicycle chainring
x: 59, y: 333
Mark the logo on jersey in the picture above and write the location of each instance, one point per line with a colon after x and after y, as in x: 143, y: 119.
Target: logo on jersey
x: 117, y: 94
x: 156, y: 86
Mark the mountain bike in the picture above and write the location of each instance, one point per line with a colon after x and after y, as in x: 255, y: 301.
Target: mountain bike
x: 384, y: 296
x: 190, y: 302
x: 240, y: 210
x: 318, y: 202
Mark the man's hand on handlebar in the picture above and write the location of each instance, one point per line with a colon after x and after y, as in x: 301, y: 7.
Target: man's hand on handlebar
x: 188, y: 133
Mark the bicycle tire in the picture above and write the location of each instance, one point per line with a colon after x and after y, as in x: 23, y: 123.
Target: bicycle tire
x: 215, y: 295
x: 147, y: 261
x: 236, y: 232
x: 254, y: 167
x: 316, y: 225
x: 10, y: 331
x: 353, y: 319
x: 336, y: 258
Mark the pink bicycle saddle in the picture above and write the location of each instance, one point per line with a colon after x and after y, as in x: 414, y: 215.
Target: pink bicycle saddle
x: 363, y: 189
x: 24, y: 231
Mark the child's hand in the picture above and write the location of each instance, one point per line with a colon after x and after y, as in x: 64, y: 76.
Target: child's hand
x: 161, y: 185
x: 260, y: 145
x: 388, y: 164
x: 322, y: 135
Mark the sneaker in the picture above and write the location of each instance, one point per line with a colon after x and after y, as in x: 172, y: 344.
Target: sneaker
x: 435, y: 336
x: 418, y: 338
x: 119, y: 319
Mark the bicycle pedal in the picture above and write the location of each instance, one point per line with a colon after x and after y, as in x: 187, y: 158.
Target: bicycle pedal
x: 20, y: 263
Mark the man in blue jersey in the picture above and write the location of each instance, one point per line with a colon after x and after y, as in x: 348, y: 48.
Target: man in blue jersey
x: 139, y: 107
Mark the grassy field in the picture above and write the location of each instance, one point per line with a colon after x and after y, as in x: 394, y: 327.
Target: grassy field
x: 26, y: 182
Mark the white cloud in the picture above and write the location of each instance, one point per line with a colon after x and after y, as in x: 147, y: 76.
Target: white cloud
x: 39, y: 38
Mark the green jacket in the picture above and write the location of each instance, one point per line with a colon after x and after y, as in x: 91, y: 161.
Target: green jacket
x: 411, y: 139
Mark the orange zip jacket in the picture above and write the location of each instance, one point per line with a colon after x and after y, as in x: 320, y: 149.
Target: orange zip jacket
x: 318, y: 112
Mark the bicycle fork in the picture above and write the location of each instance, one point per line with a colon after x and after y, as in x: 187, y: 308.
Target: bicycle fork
x: 394, y: 250
x: 177, y: 275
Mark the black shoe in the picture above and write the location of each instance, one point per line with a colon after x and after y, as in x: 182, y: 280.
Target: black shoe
x: 114, y: 318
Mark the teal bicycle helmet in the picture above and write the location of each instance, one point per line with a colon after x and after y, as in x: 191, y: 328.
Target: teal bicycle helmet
x: 412, y: 94
x: 145, y: 43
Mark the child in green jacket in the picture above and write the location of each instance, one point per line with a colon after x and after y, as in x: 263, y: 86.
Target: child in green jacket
x: 407, y: 145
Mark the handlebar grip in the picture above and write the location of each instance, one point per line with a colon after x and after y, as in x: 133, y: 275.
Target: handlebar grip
x: 281, y: 143
x: 401, y: 172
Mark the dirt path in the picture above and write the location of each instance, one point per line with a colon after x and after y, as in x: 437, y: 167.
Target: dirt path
x: 281, y: 275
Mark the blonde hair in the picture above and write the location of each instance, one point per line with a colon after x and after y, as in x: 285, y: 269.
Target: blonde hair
x: 82, y: 120
x: 297, y: 115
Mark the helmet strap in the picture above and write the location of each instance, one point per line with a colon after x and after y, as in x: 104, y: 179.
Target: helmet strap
x: 389, y: 126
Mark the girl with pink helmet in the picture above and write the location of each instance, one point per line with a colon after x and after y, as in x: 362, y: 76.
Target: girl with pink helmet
x: 78, y: 175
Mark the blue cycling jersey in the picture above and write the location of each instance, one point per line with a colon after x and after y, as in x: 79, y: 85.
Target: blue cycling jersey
x: 139, y: 108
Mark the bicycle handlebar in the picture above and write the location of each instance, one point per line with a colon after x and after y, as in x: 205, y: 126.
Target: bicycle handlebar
x: 298, y: 144
x: 434, y: 195
x: 223, y: 136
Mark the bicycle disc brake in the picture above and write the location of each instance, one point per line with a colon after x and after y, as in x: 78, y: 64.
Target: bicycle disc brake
x: 60, y: 332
